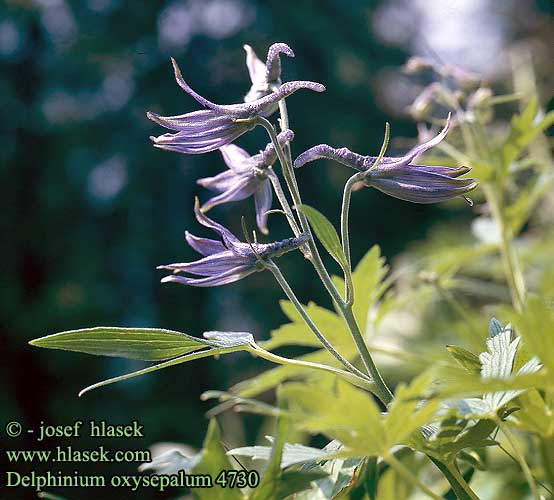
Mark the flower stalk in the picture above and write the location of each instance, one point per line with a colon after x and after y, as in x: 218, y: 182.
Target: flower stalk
x: 313, y: 327
x: 345, y: 308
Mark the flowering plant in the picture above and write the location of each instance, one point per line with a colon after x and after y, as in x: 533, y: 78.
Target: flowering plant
x: 380, y: 442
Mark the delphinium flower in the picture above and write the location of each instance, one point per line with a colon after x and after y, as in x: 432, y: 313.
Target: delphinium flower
x: 209, y: 129
x: 247, y: 176
x: 226, y: 260
x: 266, y: 75
x: 460, y: 76
x: 451, y: 89
x: 399, y: 176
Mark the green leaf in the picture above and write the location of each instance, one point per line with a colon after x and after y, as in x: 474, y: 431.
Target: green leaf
x: 272, y: 378
x: 391, y: 485
x: 476, y: 437
x: 339, y: 471
x: 528, y: 198
x: 327, y: 234
x: 148, y: 344
x: 369, y: 287
x: 465, y: 358
x: 293, y: 454
x: 278, y: 483
x: 228, y: 400
x: 213, y: 460
x: 363, y: 483
x: 322, y: 409
x: 296, y: 481
x: 408, y: 412
x: 523, y: 131
x: 269, y: 484
x: 329, y: 323
x: 457, y: 382
x: 536, y: 326
x: 534, y: 415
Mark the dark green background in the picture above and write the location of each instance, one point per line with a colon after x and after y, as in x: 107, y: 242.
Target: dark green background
x: 71, y: 259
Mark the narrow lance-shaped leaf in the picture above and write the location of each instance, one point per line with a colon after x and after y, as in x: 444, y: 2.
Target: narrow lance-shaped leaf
x: 148, y: 344
x: 327, y: 234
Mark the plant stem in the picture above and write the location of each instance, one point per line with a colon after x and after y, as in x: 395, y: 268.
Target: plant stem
x: 381, y: 389
x: 457, y: 482
x: 290, y: 179
x: 345, y: 237
x: 315, y: 330
x: 521, y: 459
x: 547, y: 454
x: 274, y: 179
x: 405, y: 473
x: 512, y: 269
x: 363, y: 383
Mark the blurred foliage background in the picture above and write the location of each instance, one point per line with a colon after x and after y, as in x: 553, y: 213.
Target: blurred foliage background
x: 91, y: 208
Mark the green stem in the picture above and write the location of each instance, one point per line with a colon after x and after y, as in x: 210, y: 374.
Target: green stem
x: 547, y: 454
x: 345, y: 237
x: 358, y: 381
x: 405, y: 473
x: 305, y: 316
x: 512, y: 269
x: 521, y: 459
x: 381, y: 389
x: 290, y: 179
x: 457, y: 482
x: 274, y: 179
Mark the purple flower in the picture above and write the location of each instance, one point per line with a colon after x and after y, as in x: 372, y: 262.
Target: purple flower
x: 458, y: 75
x: 398, y: 176
x: 209, y: 129
x: 227, y: 260
x: 265, y: 75
x: 247, y: 176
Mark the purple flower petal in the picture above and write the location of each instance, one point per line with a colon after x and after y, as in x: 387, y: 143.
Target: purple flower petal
x: 230, y: 276
x: 256, y: 68
x: 420, y: 185
x: 211, y: 265
x: 240, y: 190
x: 229, y: 239
x: 422, y: 148
x: 263, y: 199
x: 204, y: 246
x: 221, y: 182
x: 235, y: 158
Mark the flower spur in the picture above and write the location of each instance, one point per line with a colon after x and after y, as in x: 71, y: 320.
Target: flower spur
x: 209, y: 129
x: 399, y: 176
x: 265, y: 76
